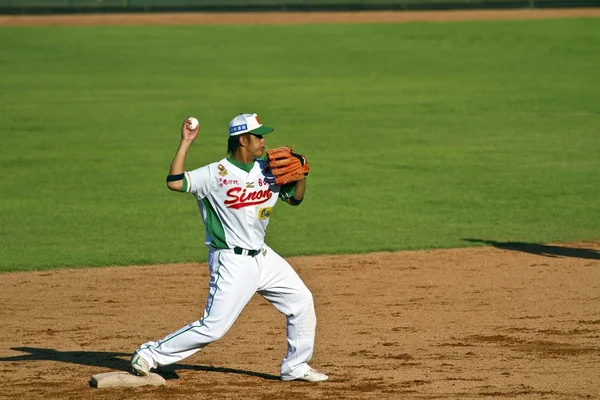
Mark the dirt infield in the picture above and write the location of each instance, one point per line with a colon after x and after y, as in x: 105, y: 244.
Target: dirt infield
x: 294, y: 17
x: 521, y: 322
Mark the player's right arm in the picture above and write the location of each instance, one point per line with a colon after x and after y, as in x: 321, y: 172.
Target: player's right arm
x: 176, y: 180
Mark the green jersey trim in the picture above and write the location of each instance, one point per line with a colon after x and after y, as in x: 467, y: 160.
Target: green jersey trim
x: 243, y: 167
x: 184, y: 188
x: 214, y: 226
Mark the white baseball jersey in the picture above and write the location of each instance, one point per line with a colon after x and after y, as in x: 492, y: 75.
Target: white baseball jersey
x: 235, y: 204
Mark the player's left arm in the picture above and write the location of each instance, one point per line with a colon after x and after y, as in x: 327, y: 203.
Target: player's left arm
x: 298, y: 193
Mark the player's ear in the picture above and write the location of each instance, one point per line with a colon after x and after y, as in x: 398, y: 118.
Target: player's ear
x: 243, y: 140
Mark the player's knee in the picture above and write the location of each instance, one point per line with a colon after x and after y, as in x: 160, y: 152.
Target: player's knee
x: 217, y: 335
x: 306, y: 297
x: 219, y: 331
x: 305, y: 317
x: 216, y: 332
x: 304, y: 301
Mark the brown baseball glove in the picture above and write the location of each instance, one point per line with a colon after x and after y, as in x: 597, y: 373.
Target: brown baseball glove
x: 286, y: 166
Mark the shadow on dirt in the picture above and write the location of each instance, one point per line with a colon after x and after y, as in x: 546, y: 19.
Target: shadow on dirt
x: 541, y: 249
x: 112, y: 360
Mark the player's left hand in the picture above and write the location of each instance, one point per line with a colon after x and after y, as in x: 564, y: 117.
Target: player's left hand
x: 286, y: 165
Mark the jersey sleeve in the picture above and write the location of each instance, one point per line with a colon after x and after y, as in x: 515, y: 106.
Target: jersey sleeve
x: 199, y: 181
x: 286, y: 191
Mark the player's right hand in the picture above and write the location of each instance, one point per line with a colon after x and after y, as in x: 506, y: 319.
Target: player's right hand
x: 187, y: 133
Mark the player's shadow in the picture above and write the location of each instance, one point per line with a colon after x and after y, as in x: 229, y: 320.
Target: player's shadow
x: 112, y: 360
x: 542, y: 249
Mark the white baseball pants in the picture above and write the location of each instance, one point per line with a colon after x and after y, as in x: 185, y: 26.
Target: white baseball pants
x: 233, y: 281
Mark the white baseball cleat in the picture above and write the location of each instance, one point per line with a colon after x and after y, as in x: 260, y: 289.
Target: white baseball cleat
x: 312, y: 375
x: 139, y: 365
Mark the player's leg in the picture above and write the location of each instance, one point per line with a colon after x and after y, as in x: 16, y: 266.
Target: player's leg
x: 233, y: 282
x: 283, y: 288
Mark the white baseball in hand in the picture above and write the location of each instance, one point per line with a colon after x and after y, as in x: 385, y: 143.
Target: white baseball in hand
x: 193, y: 123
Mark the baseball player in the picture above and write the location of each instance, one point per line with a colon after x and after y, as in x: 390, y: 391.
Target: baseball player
x: 236, y: 196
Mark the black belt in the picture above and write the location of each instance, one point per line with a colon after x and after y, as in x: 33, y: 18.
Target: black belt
x: 240, y: 251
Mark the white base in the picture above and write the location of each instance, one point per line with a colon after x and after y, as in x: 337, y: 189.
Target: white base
x: 125, y: 379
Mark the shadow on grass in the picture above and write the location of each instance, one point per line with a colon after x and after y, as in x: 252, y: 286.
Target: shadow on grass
x: 114, y: 361
x: 541, y: 249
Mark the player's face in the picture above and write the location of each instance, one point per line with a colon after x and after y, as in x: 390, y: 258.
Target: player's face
x: 256, y: 145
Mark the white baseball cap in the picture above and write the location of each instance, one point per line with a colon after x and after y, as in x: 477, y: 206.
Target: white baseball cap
x: 248, y: 123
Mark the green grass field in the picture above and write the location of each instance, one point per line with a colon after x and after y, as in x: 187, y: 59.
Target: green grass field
x: 419, y: 135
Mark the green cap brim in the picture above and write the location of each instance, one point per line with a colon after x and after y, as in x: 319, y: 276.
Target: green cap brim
x: 262, y: 130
